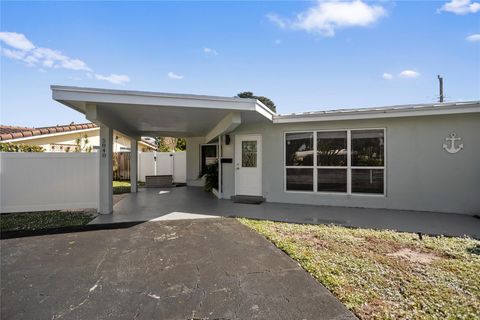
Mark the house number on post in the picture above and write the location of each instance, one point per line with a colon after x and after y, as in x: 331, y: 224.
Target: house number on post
x: 450, y: 145
x: 104, y: 148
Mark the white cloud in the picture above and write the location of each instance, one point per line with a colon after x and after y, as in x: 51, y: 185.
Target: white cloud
x: 175, y: 76
x: 387, y: 76
x: 16, y: 40
x: 327, y: 16
x: 278, y: 41
x: 473, y: 37
x: 114, y: 78
x: 24, y: 50
x: 409, y: 74
x: 461, y: 7
x: 13, y: 54
x: 210, y: 51
x: 277, y: 20
x: 55, y: 59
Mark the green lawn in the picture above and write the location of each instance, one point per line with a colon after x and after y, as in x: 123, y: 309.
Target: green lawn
x: 120, y: 187
x: 386, y: 274
x: 43, y: 220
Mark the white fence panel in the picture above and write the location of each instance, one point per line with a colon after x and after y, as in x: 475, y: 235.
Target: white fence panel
x: 41, y: 181
x: 180, y: 167
x: 146, y: 165
x: 163, y: 163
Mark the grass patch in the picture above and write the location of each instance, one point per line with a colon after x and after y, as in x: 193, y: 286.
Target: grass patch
x: 120, y: 187
x: 385, y: 274
x: 43, y: 220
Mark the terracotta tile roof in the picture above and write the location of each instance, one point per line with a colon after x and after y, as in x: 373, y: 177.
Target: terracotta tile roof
x: 12, y: 132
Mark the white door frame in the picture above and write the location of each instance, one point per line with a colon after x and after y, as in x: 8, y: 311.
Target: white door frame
x: 237, y: 153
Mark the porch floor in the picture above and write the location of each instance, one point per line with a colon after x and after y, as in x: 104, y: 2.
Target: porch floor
x: 194, y: 202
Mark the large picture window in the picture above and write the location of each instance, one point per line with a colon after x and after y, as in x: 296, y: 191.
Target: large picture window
x: 339, y: 161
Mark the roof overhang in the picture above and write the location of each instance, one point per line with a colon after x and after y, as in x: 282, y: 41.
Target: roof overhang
x: 382, y: 112
x: 139, y: 113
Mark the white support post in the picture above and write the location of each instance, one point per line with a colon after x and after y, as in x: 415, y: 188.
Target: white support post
x: 105, y: 205
x: 133, y: 164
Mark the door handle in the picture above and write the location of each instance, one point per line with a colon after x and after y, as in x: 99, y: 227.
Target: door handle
x: 238, y: 166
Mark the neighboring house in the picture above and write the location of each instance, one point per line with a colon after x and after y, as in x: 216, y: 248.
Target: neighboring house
x: 412, y: 157
x: 69, y: 138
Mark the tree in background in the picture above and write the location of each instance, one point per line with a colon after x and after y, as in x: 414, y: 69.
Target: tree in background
x: 81, y: 144
x: 181, y: 144
x: 266, y: 101
x: 169, y: 144
x: 10, y: 147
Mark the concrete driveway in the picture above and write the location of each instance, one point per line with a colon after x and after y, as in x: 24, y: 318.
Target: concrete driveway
x: 185, y: 269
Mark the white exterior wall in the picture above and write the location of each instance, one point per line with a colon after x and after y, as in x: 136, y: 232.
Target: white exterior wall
x: 48, y: 181
x: 420, y: 175
x: 193, y: 161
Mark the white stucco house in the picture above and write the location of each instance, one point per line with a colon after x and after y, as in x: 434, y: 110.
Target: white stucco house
x: 414, y: 157
x: 64, y: 138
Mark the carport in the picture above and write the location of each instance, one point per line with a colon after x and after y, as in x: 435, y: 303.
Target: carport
x: 139, y: 113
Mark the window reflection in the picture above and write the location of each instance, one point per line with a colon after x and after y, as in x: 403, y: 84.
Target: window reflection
x: 367, y: 181
x: 367, y: 148
x: 332, y: 180
x: 332, y: 148
x: 299, y: 179
x: 299, y: 149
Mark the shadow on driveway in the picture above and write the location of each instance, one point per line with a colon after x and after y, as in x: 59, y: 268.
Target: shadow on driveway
x: 184, y: 269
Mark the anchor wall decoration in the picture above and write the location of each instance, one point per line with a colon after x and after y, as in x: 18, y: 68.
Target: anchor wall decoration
x: 451, y: 148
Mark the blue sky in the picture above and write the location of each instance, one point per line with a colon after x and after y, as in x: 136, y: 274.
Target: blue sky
x: 304, y: 55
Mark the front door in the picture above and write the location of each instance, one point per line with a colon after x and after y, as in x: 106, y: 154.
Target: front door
x: 248, y: 165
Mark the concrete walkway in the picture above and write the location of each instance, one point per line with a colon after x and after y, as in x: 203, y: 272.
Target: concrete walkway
x: 188, y: 269
x: 180, y: 202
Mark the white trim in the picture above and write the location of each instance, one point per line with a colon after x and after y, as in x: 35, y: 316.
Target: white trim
x: 48, y: 135
x: 75, y: 89
x: 383, y: 112
x: 349, y: 166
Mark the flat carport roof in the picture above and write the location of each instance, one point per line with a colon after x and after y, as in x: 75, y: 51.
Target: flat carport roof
x: 140, y: 113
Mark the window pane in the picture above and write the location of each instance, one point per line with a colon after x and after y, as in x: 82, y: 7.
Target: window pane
x: 333, y: 180
x: 300, y: 179
x: 367, y: 181
x: 299, y: 149
x: 367, y: 148
x: 249, y: 154
x: 332, y: 148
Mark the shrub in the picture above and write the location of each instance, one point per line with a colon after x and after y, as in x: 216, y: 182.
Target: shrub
x: 10, y: 147
x: 211, y: 177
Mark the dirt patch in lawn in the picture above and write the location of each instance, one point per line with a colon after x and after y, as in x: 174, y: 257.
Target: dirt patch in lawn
x: 414, y: 256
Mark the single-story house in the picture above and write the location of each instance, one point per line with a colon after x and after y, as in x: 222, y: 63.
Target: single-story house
x: 415, y: 157
x: 69, y: 138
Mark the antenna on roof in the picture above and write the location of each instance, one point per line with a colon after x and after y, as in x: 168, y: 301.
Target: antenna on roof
x: 440, y: 83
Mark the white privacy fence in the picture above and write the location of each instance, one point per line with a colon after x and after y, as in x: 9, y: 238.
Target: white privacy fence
x: 163, y: 163
x: 40, y: 181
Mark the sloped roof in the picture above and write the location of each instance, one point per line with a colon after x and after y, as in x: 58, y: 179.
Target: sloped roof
x: 13, y: 132
x: 381, y: 112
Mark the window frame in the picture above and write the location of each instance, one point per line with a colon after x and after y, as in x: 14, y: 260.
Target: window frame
x: 348, y: 167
